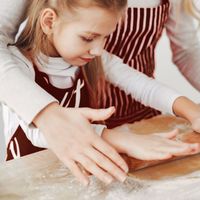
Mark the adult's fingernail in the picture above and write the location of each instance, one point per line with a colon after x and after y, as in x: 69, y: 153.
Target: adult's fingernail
x: 125, y: 168
x: 194, y: 145
x: 122, y: 178
x: 85, y: 182
x: 108, y: 179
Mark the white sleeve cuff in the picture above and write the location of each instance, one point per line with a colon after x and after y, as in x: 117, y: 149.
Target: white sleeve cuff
x: 34, y: 135
x: 98, y: 128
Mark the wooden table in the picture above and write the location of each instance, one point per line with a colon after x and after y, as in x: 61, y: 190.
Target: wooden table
x: 41, y: 176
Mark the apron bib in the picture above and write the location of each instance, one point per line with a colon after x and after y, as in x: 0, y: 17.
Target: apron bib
x: 20, y: 145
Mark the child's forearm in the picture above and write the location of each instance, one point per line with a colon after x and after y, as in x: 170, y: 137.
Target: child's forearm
x: 184, y: 107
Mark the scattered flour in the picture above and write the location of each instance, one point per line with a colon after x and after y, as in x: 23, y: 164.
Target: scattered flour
x: 60, y: 184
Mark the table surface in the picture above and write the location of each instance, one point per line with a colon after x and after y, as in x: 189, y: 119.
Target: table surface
x: 41, y: 176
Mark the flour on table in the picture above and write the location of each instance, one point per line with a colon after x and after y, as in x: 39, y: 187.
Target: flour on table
x: 60, y: 182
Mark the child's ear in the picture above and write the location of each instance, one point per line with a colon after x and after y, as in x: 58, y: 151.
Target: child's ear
x: 47, y: 19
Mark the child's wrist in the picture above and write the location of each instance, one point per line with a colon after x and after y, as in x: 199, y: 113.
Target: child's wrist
x: 115, y: 138
x: 105, y: 133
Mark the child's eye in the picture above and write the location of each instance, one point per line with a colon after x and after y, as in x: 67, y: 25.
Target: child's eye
x: 85, y: 39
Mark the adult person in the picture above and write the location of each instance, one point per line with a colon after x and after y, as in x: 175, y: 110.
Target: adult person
x: 135, y: 43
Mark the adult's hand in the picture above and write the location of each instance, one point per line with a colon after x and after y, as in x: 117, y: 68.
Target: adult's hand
x: 70, y: 136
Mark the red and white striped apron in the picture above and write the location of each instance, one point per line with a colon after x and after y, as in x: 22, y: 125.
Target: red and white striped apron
x: 135, y: 43
x: 19, y: 145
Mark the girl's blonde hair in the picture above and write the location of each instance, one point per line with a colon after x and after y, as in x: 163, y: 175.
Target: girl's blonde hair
x: 192, y: 9
x: 33, y: 39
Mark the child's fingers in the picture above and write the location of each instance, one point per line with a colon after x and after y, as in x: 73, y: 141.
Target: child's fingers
x: 196, y: 125
x: 167, y: 151
x: 151, y: 155
x: 161, y: 155
x: 195, y: 148
x: 177, y: 148
x: 106, y: 164
x: 169, y: 135
x: 84, y: 171
x: 181, y: 151
x: 76, y: 171
x: 112, y: 154
x: 91, y: 166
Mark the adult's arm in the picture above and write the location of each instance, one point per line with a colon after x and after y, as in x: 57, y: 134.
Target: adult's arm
x: 69, y: 139
x: 185, y: 44
x: 22, y: 95
x: 36, y: 137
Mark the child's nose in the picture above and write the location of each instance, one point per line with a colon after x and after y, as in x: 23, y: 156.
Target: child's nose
x: 97, y: 50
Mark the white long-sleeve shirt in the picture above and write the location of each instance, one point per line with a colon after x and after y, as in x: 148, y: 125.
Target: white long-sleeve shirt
x: 13, y: 78
x: 142, y: 88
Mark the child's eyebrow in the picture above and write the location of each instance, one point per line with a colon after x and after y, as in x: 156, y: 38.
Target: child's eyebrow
x: 92, y: 33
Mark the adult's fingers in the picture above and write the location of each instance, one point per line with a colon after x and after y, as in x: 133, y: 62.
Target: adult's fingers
x: 111, y: 153
x: 106, y: 164
x: 83, y: 170
x: 170, y: 135
x: 91, y: 166
x: 76, y: 171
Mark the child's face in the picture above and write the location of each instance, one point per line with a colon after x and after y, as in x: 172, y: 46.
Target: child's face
x: 83, y: 38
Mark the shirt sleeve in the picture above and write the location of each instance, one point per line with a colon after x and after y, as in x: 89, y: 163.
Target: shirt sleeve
x: 12, y: 121
x: 98, y: 128
x: 146, y: 90
x: 17, y: 90
x: 182, y: 31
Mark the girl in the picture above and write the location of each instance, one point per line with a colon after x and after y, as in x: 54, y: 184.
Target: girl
x: 144, y: 23
x: 64, y: 29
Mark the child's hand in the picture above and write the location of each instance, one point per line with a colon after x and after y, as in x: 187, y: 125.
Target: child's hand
x: 148, y: 147
x: 196, y: 124
x: 71, y: 137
